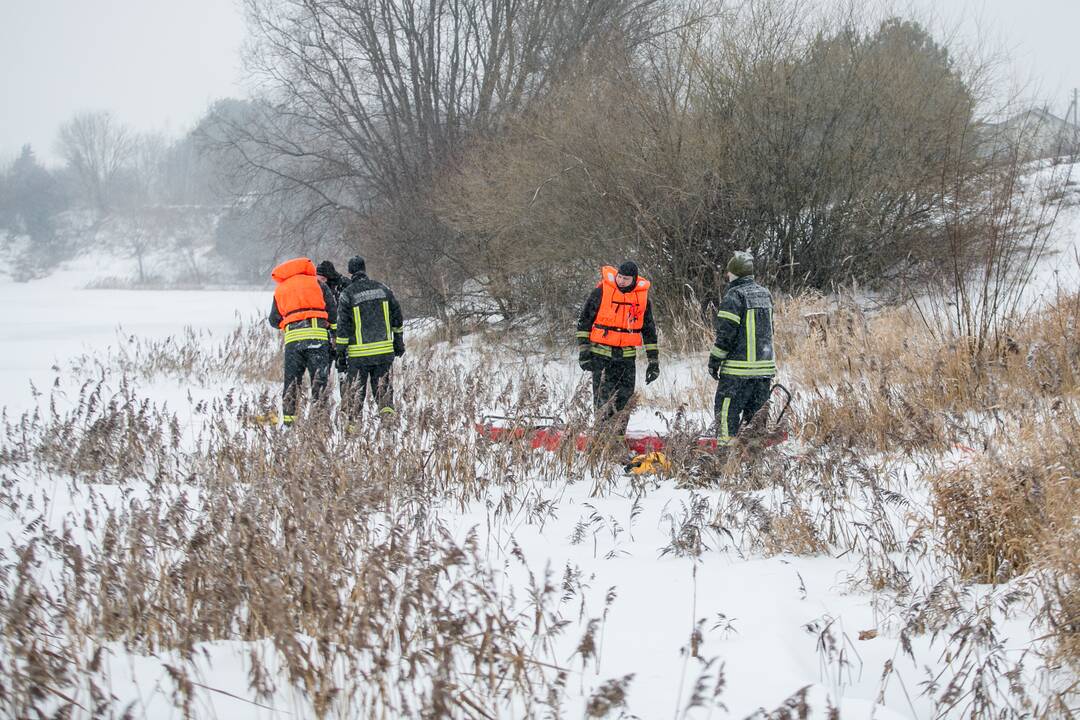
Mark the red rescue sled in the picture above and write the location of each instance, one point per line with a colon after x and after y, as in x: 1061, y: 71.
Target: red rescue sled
x: 546, y: 432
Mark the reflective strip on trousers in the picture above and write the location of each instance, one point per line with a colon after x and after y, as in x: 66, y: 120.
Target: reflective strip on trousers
x: 723, y: 437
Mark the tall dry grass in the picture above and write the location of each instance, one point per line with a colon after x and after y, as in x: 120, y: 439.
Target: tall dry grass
x: 323, y: 552
x: 323, y: 545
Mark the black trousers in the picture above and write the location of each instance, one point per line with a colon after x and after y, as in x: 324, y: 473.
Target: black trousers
x: 737, y: 400
x: 613, y: 387
x: 361, y: 374
x: 304, y: 356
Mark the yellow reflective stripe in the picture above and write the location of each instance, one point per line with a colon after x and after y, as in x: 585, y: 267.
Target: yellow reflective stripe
x: 652, y: 346
x: 725, y: 315
x: 608, y: 351
x: 342, y: 341
x: 760, y: 372
x: 718, y: 353
x: 724, y: 437
x: 306, y: 334
x: 333, y: 326
x: 376, y: 348
x: 359, y: 348
x: 387, y: 411
x: 398, y: 330
x: 750, y: 365
x: 581, y: 334
x: 751, y: 335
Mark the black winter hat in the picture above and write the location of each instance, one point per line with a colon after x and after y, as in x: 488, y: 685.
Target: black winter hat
x: 629, y: 268
x: 357, y: 265
x: 327, y: 270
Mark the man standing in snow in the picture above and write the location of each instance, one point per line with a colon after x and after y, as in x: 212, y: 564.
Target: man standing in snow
x: 742, y: 360
x: 305, y: 309
x: 334, y: 280
x: 616, y: 320
x: 370, y: 328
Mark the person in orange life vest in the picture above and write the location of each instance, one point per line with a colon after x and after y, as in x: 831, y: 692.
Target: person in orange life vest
x: 616, y: 320
x: 304, y: 308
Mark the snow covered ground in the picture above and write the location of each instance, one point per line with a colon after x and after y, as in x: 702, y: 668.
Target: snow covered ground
x: 772, y: 624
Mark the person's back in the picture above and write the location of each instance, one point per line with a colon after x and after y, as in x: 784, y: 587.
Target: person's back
x: 370, y: 329
x: 304, y: 308
x: 742, y: 359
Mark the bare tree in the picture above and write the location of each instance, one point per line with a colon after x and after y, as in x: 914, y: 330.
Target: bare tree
x: 97, y: 148
x: 371, y: 98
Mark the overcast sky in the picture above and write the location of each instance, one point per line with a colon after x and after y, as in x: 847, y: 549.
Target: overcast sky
x: 157, y: 64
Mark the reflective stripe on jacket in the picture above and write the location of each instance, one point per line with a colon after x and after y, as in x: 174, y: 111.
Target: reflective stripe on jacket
x: 369, y: 320
x: 311, y: 329
x: 744, y: 331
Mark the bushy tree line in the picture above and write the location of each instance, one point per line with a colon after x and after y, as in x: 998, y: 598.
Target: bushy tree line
x: 488, y: 155
x: 508, y: 148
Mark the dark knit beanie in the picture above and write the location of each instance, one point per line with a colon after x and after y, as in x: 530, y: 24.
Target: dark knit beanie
x: 327, y: 270
x: 629, y: 268
x: 357, y: 265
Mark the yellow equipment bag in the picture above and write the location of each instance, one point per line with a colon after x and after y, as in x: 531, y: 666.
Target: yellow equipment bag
x: 653, y: 463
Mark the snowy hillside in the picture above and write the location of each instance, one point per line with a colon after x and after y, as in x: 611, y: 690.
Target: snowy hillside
x: 153, y: 247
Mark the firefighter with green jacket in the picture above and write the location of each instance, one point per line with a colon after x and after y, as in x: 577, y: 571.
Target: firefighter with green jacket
x: 742, y: 360
x: 370, y: 328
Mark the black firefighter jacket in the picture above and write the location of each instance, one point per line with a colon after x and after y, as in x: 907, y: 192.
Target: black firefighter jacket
x: 370, y: 324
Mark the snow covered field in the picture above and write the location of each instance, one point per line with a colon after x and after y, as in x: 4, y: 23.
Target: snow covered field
x: 687, y: 598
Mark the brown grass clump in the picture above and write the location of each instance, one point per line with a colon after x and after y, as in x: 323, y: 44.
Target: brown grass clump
x: 889, y: 381
x: 793, y: 531
x: 1016, y: 511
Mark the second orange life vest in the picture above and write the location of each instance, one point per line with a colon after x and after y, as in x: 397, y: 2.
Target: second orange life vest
x: 298, y: 294
x: 621, y: 315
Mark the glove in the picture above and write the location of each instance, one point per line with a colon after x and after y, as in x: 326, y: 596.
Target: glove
x: 585, y: 358
x: 714, y: 367
x: 399, y: 345
x: 652, y: 372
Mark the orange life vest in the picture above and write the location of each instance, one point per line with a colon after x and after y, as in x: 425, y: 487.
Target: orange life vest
x: 620, y: 317
x: 298, y: 294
